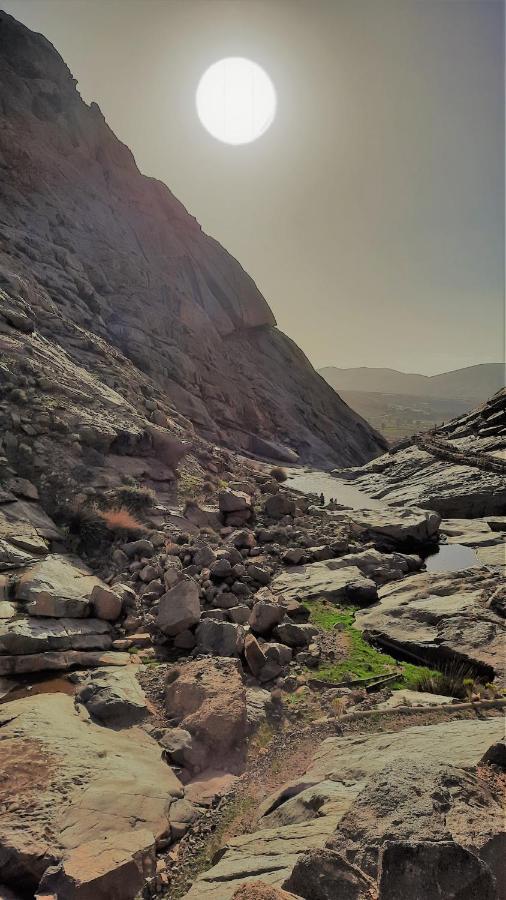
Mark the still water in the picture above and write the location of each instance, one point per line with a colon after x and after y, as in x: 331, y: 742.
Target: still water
x: 323, y: 483
x: 451, y: 558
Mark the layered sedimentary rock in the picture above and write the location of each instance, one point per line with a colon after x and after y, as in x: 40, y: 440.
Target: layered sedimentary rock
x: 104, y: 268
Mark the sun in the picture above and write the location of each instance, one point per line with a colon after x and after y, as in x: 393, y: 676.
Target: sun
x: 236, y: 100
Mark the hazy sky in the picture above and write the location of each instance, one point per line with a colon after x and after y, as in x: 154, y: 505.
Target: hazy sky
x: 371, y: 214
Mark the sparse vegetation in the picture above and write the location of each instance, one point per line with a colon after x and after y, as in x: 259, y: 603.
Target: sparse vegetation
x: 121, y: 521
x: 278, y: 473
x: 189, y: 486
x: 361, y: 659
x: 135, y: 497
x: 455, y: 680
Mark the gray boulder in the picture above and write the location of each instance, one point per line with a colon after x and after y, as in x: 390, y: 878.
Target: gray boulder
x: 433, y: 870
x: 264, y: 616
x: 220, y: 638
x: 179, y: 608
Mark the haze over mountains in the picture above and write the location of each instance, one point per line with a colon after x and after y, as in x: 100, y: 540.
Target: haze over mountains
x: 401, y: 403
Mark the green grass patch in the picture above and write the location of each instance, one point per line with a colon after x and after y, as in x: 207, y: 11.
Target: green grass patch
x: 362, y: 659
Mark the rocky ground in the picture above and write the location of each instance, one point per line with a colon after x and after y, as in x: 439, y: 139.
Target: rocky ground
x: 212, y: 684
x: 206, y: 651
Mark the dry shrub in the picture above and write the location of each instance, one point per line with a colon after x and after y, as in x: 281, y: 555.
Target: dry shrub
x: 121, y: 520
x: 134, y: 497
x: 278, y: 474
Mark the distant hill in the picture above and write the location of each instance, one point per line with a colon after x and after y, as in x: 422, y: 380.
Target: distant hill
x: 472, y: 383
x: 399, y: 404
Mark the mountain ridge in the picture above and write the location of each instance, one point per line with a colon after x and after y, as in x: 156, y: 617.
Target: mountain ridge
x: 88, y: 242
x: 458, y: 383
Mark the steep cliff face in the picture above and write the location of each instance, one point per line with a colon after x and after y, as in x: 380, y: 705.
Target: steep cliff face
x: 96, y: 252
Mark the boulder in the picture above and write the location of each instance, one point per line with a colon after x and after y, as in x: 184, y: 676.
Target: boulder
x: 259, y: 890
x: 24, y: 635
x: 107, y: 604
x: 279, y: 505
x: 179, y: 608
x: 207, y: 698
x: 220, y: 638
x: 112, y: 866
x: 177, y: 745
x: 234, y: 501
x: 57, y: 586
x: 441, y: 616
x: 60, y: 660
x: 67, y: 782
x: 264, y: 616
x: 295, y: 635
x: 327, y: 875
x: 254, y: 655
x: 321, y: 580
x: 399, y: 526
x: 113, y: 696
x: 433, y: 870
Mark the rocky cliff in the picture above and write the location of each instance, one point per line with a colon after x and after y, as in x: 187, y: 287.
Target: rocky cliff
x: 105, y: 264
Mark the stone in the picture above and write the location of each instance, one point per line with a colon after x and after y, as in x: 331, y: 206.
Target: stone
x: 433, y: 870
x: 112, y: 866
x: 207, y: 698
x: 182, y: 814
x: 233, y: 501
x: 60, y: 660
x: 113, y: 696
x: 327, y: 875
x: 399, y: 526
x: 221, y: 568
x: 142, y: 547
x: 295, y: 635
x: 179, y: 608
x: 320, y: 580
x: 106, y: 603
x: 254, y: 655
x: 57, y: 586
x: 204, y: 557
x: 441, y: 615
x: 102, y: 783
x: 239, y: 614
x: 279, y: 505
x: 259, y: 574
x: 294, y: 556
x: 220, y: 638
x: 24, y: 635
x: 265, y: 616
x: 177, y: 745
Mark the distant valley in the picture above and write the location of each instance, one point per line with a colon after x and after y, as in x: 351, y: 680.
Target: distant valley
x: 399, y: 404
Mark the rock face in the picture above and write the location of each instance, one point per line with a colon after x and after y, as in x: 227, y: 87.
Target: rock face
x: 441, y: 616
x: 433, y: 870
x: 109, y: 265
x: 458, y: 470
x: 359, y: 792
x: 103, y: 784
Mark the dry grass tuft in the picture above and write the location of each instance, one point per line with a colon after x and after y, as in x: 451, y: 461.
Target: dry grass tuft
x: 278, y: 473
x: 121, y: 520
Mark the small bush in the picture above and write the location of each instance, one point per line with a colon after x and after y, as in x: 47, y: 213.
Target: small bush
x: 456, y: 680
x: 85, y: 525
x: 278, y: 474
x: 121, y: 521
x: 135, y: 497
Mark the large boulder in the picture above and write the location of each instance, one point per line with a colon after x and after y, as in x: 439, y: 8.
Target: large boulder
x: 399, y: 526
x: 320, y: 580
x: 433, y: 870
x: 207, y: 698
x: 57, y: 586
x: 113, y: 696
x: 67, y: 782
x: 220, y: 638
x: 441, y: 616
x: 23, y: 635
x: 179, y: 608
x: 112, y: 866
x: 327, y: 875
x: 279, y: 505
